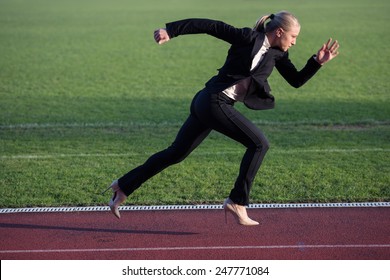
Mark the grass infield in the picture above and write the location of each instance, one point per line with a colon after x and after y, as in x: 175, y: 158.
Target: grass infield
x: 86, y: 95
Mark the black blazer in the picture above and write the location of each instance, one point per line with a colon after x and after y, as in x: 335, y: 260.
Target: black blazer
x: 245, y: 43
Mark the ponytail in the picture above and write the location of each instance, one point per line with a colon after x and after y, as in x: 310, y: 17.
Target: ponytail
x: 260, y: 23
x: 282, y: 19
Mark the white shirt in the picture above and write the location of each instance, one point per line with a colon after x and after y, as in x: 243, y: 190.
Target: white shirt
x: 237, y: 92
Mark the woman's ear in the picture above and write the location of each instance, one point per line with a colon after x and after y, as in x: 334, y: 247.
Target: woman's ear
x: 279, y: 32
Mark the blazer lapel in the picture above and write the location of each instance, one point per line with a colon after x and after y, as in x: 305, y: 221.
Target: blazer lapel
x: 268, y: 61
x: 258, y: 44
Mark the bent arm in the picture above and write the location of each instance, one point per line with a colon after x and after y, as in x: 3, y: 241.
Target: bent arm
x: 294, y: 77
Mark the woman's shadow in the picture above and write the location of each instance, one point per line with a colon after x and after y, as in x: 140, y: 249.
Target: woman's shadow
x: 126, y: 231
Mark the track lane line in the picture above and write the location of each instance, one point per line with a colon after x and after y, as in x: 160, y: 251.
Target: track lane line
x: 193, y: 207
x: 92, y: 250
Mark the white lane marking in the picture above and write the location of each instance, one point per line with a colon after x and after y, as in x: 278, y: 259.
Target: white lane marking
x: 192, y: 207
x: 199, y: 153
x: 320, y: 246
x: 324, y: 123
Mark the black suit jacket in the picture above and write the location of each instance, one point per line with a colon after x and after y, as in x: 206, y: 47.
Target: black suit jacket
x: 245, y: 43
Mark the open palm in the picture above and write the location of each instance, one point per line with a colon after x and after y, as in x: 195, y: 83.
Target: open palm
x: 328, y: 51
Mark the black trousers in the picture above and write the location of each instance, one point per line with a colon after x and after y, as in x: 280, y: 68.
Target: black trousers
x: 208, y: 112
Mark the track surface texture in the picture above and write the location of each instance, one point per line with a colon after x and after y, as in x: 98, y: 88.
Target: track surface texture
x: 284, y: 234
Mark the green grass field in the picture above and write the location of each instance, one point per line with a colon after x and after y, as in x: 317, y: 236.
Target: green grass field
x: 86, y: 95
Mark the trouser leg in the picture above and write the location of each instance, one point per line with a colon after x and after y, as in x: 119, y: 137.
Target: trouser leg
x: 223, y: 117
x: 191, y: 134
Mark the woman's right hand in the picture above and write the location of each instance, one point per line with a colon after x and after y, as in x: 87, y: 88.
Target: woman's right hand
x: 327, y: 52
x: 161, y: 36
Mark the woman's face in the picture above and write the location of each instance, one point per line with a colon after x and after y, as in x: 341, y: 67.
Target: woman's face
x: 287, y: 39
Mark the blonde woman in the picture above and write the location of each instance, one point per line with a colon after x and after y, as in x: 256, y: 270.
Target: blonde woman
x: 253, y: 54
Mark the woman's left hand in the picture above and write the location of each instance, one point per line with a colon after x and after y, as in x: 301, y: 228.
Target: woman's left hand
x: 327, y: 52
x: 161, y: 36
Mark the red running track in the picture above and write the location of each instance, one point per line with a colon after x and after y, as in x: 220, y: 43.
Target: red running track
x: 284, y: 234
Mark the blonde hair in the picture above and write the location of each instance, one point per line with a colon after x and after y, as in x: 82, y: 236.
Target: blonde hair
x: 283, y: 19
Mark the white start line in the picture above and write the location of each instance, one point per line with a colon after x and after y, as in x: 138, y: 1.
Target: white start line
x: 190, y: 207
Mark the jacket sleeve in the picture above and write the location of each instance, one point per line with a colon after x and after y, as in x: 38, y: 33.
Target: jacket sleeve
x: 294, y: 77
x: 214, y: 28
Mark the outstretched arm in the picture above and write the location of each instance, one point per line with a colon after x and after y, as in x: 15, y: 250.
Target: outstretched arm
x: 327, y: 52
x: 214, y: 28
